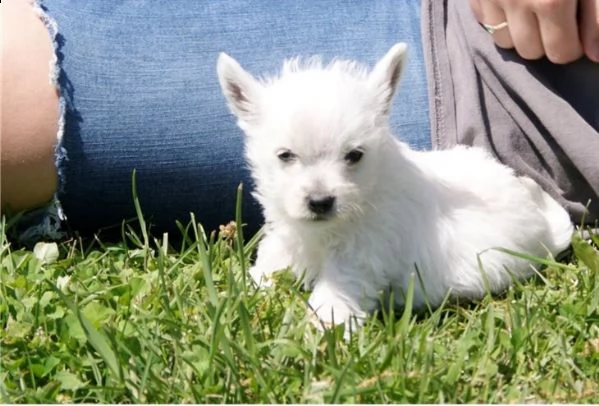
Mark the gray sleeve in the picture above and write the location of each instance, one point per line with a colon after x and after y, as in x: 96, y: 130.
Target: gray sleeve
x: 539, y: 118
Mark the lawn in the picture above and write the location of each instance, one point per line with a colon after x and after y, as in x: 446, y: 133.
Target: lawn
x: 148, y: 321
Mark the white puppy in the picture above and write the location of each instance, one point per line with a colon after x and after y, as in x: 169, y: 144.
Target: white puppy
x: 358, y: 212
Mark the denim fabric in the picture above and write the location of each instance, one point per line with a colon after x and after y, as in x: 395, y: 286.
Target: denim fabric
x: 139, y: 83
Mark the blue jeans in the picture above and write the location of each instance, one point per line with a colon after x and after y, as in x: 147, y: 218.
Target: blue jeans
x: 139, y: 91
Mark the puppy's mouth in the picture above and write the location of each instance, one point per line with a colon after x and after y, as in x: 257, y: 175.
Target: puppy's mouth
x: 321, y: 218
x: 313, y: 220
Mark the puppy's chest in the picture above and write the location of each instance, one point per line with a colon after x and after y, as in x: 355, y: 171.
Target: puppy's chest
x: 377, y: 259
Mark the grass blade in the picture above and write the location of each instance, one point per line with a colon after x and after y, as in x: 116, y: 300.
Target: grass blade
x: 94, y: 337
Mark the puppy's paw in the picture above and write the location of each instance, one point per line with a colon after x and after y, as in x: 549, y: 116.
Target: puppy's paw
x: 330, y: 310
x: 262, y: 278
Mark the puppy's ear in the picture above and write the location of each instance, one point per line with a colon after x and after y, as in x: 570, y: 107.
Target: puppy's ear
x: 239, y: 87
x: 386, y: 74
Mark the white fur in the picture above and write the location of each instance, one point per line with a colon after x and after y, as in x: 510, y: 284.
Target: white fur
x: 396, y: 211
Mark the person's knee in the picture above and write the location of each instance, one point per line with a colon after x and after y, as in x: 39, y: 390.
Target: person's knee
x: 30, y: 110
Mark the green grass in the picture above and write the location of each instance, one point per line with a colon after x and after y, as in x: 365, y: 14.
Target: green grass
x: 141, y: 321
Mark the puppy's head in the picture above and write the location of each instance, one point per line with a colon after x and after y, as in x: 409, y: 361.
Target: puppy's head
x: 316, y: 135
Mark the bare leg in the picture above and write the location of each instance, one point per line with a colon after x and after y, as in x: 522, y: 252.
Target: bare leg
x: 30, y: 110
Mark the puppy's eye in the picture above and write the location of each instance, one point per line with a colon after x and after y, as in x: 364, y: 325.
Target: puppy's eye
x: 354, y: 156
x: 286, y: 155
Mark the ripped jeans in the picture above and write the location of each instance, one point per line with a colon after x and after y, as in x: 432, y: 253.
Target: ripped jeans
x: 139, y: 91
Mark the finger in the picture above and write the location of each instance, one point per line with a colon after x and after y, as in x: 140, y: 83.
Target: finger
x: 488, y: 12
x: 476, y: 9
x: 559, y: 30
x: 524, y: 30
x: 589, y: 28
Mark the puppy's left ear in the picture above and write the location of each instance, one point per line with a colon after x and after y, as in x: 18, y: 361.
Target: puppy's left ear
x: 386, y: 74
x: 240, y: 88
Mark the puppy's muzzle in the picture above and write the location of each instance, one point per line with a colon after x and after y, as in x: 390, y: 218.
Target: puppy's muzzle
x: 321, y: 205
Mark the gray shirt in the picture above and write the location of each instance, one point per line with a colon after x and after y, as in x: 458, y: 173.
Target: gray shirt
x: 537, y: 117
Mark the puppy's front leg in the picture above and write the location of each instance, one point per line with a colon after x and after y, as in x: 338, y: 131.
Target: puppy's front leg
x: 336, y: 301
x: 273, y: 255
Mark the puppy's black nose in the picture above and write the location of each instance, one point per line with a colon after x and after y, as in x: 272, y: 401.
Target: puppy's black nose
x: 321, y: 205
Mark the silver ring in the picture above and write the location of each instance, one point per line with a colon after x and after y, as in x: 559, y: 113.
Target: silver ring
x: 492, y: 28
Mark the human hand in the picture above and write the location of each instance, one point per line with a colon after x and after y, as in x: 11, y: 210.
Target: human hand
x: 561, y: 30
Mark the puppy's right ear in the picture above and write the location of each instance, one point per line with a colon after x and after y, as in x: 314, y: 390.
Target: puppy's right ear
x: 386, y: 74
x: 239, y: 87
